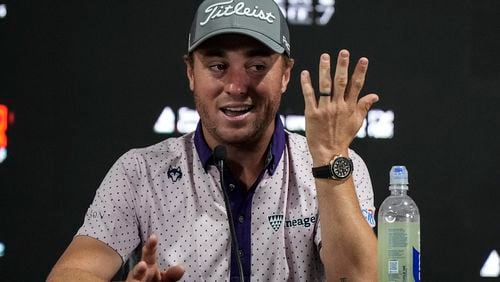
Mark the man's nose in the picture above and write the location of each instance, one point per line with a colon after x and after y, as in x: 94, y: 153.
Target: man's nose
x: 237, y: 81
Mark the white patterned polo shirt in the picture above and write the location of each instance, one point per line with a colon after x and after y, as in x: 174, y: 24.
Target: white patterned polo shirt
x: 168, y: 190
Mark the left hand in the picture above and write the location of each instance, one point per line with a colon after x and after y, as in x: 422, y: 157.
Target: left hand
x: 333, y: 121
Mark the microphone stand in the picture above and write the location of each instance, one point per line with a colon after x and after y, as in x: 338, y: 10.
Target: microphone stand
x: 220, y: 158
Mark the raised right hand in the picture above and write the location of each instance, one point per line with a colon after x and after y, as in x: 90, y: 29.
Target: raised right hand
x: 147, y: 269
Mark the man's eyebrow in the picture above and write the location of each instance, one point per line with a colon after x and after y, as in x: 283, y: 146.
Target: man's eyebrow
x: 255, y: 52
x: 212, y: 52
x: 259, y: 52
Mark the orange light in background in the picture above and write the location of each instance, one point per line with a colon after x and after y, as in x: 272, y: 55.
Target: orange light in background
x: 4, y: 121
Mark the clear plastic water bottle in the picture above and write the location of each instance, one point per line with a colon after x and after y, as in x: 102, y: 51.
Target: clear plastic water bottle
x: 398, y: 232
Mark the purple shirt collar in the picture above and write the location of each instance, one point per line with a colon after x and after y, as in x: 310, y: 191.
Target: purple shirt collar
x: 274, y: 152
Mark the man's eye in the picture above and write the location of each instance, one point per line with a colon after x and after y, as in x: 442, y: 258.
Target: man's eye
x: 258, y: 67
x: 218, y: 67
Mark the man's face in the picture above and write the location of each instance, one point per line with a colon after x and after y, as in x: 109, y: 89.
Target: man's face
x: 237, y: 84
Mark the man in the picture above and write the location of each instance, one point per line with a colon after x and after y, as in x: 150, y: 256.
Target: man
x: 296, y: 212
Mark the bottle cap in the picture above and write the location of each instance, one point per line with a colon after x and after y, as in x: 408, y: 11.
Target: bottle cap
x: 398, y: 175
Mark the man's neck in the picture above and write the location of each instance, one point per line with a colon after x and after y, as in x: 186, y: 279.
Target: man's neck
x: 246, y: 161
x: 246, y: 165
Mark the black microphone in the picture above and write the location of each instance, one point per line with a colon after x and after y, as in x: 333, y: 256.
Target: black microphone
x: 220, y: 154
x: 220, y: 158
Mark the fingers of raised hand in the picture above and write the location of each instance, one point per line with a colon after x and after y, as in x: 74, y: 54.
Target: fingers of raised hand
x: 325, y: 78
x: 341, y: 78
x: 149, y: 250
x: 307, y: 90
x: 366, y: 102
x: 341, y: 88
x: 357, y: 80
x: 172, y: 274
x: 138, y: 273
x: 147, y: 270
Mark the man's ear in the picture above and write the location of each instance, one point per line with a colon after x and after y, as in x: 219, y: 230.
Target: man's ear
x: 287, y: 72
x: 189, y: 71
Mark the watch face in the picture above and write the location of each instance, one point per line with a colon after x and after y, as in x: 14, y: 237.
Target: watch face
x: 341, y: 167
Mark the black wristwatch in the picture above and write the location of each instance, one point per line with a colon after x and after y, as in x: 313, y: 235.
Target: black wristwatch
x: 339, y: 168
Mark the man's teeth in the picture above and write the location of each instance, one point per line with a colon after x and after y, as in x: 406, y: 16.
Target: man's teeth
x: 236, y: 110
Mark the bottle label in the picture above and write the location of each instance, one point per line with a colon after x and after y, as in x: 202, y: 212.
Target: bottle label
x: 416, y: 265
x: 399, y: 251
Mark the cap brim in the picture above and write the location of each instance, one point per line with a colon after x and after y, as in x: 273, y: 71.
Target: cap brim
x: 258, y: 36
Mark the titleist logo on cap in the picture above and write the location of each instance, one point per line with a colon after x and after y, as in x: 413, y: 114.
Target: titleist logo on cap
x: 225, y: 9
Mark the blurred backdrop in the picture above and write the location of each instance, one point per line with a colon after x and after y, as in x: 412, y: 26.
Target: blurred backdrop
x: 81, y: 82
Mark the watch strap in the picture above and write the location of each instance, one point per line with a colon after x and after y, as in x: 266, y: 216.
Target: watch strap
x: 322, y: 171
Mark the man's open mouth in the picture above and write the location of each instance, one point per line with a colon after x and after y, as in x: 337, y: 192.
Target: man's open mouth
x: 236, y: 111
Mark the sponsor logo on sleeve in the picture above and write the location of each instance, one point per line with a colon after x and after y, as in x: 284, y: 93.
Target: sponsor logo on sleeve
x: 369, y: 215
